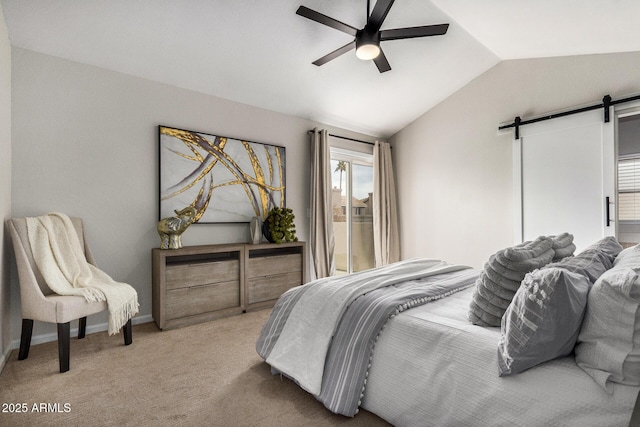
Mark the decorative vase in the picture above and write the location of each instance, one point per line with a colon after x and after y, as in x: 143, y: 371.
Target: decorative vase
x: 255, y: 230
x: 266, y: 232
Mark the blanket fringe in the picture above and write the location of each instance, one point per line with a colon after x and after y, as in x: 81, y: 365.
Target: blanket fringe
x: 93, y: 295
x: 118, y: 318
x: 399, y: 309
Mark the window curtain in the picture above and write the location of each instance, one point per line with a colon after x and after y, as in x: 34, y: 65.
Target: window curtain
x: 385, y: 208
x: 321, y: 238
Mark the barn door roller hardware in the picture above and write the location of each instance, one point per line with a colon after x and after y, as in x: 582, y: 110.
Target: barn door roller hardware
x: 606, y: 103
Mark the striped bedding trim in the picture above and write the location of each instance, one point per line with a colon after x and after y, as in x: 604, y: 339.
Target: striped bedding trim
x: 352, y: 348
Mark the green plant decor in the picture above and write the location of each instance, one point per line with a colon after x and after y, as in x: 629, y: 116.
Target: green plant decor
x: 279, y: 226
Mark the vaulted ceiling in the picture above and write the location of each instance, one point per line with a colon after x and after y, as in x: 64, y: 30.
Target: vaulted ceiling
x: 261, y: 53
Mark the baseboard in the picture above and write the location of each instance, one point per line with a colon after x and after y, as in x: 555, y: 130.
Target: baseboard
x: 4, y: 357
x: 101, y: 327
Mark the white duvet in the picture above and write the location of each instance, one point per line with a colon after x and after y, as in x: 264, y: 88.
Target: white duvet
x: 431, y: 367
x: 301, y: 349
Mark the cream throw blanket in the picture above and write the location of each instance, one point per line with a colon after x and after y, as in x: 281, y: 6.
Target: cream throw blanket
x: 62, y: 262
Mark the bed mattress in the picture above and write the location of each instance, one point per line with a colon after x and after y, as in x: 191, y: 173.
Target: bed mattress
x: 432, y: 367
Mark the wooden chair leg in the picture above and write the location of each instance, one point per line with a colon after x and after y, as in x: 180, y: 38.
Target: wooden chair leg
x: 128, y: 333
x: 64, y: 345
x: 25, y: 338
x: 82, y: 327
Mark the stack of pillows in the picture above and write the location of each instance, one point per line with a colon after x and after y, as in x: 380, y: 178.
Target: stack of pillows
x: 588, y: 303
x: 504, y: 272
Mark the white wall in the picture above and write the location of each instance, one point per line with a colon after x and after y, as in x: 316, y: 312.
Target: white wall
x: 454, y: 170
x: 85, y: 142
x: 5, y: 185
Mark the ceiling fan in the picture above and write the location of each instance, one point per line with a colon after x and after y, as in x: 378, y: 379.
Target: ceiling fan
x: 367, y: 40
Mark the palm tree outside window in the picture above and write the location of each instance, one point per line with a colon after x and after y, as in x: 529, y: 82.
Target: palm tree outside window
x: 341, y: 167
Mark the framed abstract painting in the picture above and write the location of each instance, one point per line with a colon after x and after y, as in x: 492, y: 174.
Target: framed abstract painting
x: 224, y: 179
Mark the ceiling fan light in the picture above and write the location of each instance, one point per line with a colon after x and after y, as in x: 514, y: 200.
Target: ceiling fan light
x: 368, y: 51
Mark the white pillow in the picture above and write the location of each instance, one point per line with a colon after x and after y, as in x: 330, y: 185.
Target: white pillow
x: 628, y: 258
x: 608, y: 346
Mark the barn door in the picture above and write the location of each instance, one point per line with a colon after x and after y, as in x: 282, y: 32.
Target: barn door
x: 564, y: 173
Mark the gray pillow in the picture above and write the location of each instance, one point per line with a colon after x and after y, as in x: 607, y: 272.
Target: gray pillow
x: 514, y: 269
x: 562, y: 246
x: 501, y: 278
x: 527, y: 250
x: 591, y: 263
x: 608, y: 346
x: 609, y: 245
x: 483, y: 313
x: 543, y: 321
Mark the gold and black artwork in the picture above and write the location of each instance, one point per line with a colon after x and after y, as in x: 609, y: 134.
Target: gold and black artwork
x: 223, y: 179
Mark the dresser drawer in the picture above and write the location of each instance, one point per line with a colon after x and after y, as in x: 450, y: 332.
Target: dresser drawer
x: 200, y: 283
x: 273, y: 265
x: 185, y: 275
x: 202, y: 299
x: 267, y: 288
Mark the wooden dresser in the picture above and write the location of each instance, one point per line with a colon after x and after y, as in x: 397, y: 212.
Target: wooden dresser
x: 200, y: 283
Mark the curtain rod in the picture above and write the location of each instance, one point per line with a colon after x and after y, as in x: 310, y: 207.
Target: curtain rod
x: 605, y: 104
x: 344, y: 137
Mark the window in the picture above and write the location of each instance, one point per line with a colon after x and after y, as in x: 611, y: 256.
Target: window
x: 352, y: 182
x: 629, y: 188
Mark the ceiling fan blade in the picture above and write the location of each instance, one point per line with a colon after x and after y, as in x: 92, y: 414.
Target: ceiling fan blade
x: 325, y: 20
x: 381, y: 62
x: 378, y: 14
x: 333, y: 55
x: 411, y: 32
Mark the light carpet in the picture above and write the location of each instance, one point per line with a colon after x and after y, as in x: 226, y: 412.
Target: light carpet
x: 202, y: 375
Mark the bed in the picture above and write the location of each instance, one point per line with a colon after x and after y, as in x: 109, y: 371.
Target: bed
x: 398, y: 341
